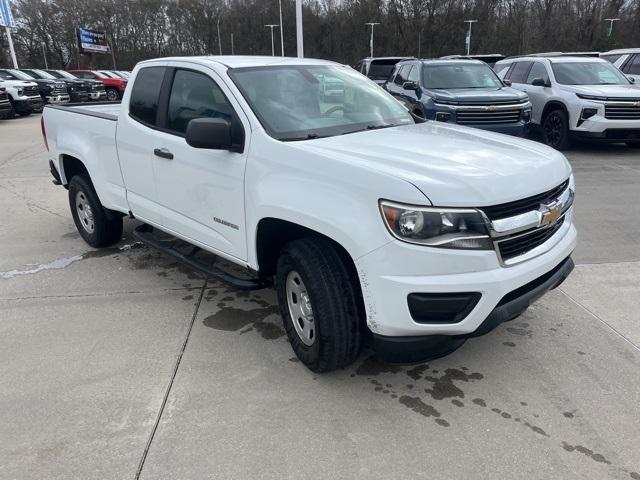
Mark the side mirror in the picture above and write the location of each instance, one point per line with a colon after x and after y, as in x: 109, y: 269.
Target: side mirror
x: 410, y: 86
x: 631, y: 79
x: 540, y: 82
x: 211, y: 133
x: 507, y: 82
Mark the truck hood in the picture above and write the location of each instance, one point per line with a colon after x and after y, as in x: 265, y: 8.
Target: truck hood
x: 452, y: 165
x: 19, y: 83
x: 617, y: 91
x: 478, y: 95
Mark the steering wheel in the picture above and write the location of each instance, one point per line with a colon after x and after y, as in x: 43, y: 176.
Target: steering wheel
x: 332, y: 110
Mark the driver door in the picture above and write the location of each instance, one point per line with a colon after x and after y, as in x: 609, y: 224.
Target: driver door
x: 200, y: 192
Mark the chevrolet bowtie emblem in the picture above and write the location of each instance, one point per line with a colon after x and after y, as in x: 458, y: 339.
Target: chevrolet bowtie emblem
x: 636, y: 104
x: 550, y: 214
x: 491, y: 108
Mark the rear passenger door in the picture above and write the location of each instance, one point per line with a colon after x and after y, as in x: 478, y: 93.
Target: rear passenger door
x: 200, y: 192
x: 395, y: 87
x: 518, y: 74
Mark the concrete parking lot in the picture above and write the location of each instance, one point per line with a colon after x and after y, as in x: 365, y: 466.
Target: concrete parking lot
x: 120, y: 363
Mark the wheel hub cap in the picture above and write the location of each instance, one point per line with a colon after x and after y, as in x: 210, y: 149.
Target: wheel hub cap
x: 300, y: 308
x: 85, y: 214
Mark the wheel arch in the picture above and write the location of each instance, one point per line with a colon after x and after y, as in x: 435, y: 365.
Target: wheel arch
x: 551, y: 106
x: 71, y: 166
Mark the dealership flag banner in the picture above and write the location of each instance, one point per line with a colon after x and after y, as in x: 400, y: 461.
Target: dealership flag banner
x: 91, y: 41
x: 6, y: 19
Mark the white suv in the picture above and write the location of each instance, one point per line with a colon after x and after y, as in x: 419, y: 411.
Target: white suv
x: 576, y: 97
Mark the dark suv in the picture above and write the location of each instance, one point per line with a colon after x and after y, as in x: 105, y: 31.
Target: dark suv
x: 77, y: 89
x: 466, y: 92
x: 378, y: 69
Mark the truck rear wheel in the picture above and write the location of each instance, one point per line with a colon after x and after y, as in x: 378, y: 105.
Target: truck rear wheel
x: 319, y: 304
x: 96, y: 226
x: 555, y: 130
x: 113, y: 95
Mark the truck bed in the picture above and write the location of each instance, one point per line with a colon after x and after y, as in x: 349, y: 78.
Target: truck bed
x: 105, y: 110
x: 88, y: 133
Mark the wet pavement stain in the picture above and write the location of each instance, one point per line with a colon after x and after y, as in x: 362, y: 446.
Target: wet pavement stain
x: 416, y: 372
x: 457, y: 403
x: 568, y: 414
x: 373, y: 366
x: 187, y: 297
x: 634, y: 475
x: 509, y: 344
x: 418, y: 406
x: 597, y: 457
x: 480, y: 402
x: 443, y: 387
x: 294, y: 360
x: 536, y: 429
x: 233, y: 319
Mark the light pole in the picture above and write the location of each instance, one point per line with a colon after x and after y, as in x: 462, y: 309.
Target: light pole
x: 373, y: 24
x: 470, y: 22
x: 219, y: 41
x: 611, y: 20
x: 281, y: 34
x: 44, y: 55
x: 299, y: 37
x: 273, y: 50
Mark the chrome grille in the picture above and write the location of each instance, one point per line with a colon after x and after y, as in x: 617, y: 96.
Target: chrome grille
x: 523, y: 243
x: 479, y: 116
x: 622, y: 112
x: 3, y: 96
x: 517, y: 207
x: 59, y: 89
x: 31, y: 90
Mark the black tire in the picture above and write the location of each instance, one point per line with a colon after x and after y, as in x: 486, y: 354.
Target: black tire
x: 419, y: 112
x: 633, y: 144
x: 336, y: 307
x: 106, y: 228
x: 113, y: 95
x: 24, y: 114
x: 555, y: 130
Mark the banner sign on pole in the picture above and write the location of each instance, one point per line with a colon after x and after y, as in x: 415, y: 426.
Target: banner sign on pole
x: 6, y: 18
x: 90, y: 41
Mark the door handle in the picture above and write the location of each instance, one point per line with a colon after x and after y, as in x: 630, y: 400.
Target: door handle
x: 163, y: 152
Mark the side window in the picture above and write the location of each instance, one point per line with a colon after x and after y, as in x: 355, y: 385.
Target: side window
x: 143, y: 104
x: 519, y: 72
x: 402, y: 74
x: 611, y: 58
x: 414, y: 74
x: 538, y: 70
x: 632, y: 67
x: 501, y: 70
x: 195, y: 95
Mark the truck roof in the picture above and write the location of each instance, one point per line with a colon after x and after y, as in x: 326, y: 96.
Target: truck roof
x: 240, y: 61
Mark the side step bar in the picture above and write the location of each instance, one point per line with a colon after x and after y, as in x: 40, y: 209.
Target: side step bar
x: 145, y: 234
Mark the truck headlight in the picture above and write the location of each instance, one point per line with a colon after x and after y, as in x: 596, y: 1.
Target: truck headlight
x: 20, y: 92
x: 443, y: 116
x: 436, y: 227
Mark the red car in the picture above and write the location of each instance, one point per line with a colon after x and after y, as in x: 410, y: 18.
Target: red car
x: 114, y: 86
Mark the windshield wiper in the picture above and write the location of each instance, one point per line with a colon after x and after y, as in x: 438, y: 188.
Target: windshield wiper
x: 371, y: 127
x: 308, y: 136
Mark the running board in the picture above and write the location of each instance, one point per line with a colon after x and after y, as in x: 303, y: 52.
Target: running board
x: 145, y: 234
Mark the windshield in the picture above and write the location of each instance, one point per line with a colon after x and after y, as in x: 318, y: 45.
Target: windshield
x: 43, y: 74
x: 311, y: 101
x: 458, y: 75
x: 62, y: 73
x: 7, y: 75
x: 20, y: 75
x: 588, y: 73
x: 107, y: 74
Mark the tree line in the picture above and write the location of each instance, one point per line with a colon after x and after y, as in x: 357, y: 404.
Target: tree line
x: 333, y: 29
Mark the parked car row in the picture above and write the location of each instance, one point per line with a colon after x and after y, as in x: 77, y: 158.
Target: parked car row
x: 27, y: 90
x: 568, y: 96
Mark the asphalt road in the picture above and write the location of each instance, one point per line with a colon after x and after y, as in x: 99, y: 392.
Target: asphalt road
x: 121, y: 362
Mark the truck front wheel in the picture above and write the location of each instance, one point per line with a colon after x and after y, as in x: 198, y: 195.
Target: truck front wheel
x: 113, y: 95
x: 319, y: 304
x: 96, y: 226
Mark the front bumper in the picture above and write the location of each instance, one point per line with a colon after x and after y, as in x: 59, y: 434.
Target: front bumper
x: 57, y: 99
x: 519, y: 129
x: 391, y: 273
x: 29, y: 104
x: 79, y: 96
x: 98, y: 95
x: 411, y: 349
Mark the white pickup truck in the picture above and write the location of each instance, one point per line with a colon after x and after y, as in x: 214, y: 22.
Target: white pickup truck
x: 375, y: 225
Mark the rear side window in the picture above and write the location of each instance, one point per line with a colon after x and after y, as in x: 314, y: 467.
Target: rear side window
x: 195, y: 95
x: 143, y: 104
x: 501, y: 69
x: 519, y: 72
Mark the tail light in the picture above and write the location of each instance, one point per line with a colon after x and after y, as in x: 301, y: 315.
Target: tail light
x: 44, y: 132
